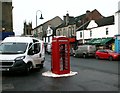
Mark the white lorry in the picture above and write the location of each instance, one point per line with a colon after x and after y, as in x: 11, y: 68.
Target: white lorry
x: 21, y: 54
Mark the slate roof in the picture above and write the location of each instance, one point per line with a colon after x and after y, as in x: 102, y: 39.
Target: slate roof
x: 78, y: 20
x: 84, y: 26
x: 71, y: 22
x: 101, y: 22
x: 105, y: 21
x: 81, y: 17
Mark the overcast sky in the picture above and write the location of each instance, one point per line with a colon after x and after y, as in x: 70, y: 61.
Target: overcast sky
x: 26, y: 10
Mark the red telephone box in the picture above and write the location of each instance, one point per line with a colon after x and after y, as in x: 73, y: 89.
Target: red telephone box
x: 60, y: 55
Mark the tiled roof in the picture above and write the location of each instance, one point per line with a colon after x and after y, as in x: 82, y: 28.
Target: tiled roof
x: 84, y: 26
x: 80, y: 17
x: 101, y: 22
x: 105, y: 21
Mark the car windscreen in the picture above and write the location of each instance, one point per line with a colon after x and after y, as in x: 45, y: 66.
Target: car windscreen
x: 110, y: 51
x: 13, y: 48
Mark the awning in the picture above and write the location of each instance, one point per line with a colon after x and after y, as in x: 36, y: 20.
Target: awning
x: 90, y: 41
x: 100, y: 41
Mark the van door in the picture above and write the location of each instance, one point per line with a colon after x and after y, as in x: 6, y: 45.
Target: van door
x: 36, y: 55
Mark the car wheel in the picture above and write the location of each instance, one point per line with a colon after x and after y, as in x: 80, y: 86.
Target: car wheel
x: 110, y: 58
x: 84, y: 55
x: 74, y: 54
x: 97, y: 57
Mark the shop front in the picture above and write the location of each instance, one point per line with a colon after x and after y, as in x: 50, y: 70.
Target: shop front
x: 102, y: 42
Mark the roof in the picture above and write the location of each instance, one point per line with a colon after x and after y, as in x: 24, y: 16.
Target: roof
x: 80, y: 17
x: 71, y: 22
x: 20, y: 39
x: 50, y: 22
x: 84, y: 26
x: 101, y: 22
x: 105, y: 21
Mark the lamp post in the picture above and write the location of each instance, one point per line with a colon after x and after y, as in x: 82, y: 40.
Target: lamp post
x: 41, y: 17
x: 83, y: 33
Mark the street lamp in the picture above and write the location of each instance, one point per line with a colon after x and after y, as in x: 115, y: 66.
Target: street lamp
x: 83, y: 32
x: 41, y: 17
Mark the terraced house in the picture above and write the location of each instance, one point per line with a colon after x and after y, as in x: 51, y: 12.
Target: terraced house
x: 99, y: 32
x: 70, y: 24
x: 41, y: 30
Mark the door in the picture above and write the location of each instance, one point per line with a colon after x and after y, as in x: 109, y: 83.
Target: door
x: 36, y: 56
x: 64, y: 56
x: 105, y: 54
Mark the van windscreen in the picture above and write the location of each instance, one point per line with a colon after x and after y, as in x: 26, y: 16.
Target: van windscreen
x: 13, y: 48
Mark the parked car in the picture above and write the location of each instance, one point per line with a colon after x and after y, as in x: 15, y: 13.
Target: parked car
x: 48, y: 49
x: 85, y: 51
x: 21, y: 54
x: 107, y: 54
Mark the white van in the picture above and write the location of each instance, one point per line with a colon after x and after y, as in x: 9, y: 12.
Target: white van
x: 21, y: 54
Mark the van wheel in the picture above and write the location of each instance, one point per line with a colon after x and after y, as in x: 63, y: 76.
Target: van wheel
x: 28, y: 67
x: 41, y: 65
x: 110, y: 58
x: 84, y: 55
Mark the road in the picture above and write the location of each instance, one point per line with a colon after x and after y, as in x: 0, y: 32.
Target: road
x: 93, y: 75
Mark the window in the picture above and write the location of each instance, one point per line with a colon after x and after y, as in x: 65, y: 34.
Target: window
x: 106, y: 31
x: 58, y: 32
x: 80, y: 34
x: 64, y: 32
x: 13, y: 48
x: 36, y: 48
x: 90, y: 33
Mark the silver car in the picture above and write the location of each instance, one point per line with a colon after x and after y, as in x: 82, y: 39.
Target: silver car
x: 85, y: 51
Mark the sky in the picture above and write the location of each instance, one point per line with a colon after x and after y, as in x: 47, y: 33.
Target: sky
x: 25, y: 10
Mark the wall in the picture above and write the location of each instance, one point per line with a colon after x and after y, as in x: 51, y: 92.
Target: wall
x: 7, y: 21
x: 99, y: 32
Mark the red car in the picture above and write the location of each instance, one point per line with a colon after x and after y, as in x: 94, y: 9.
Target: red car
x: 107, y: 54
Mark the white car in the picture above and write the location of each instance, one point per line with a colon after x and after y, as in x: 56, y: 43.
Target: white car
x: 21, y: 54
x: 49, y: 46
